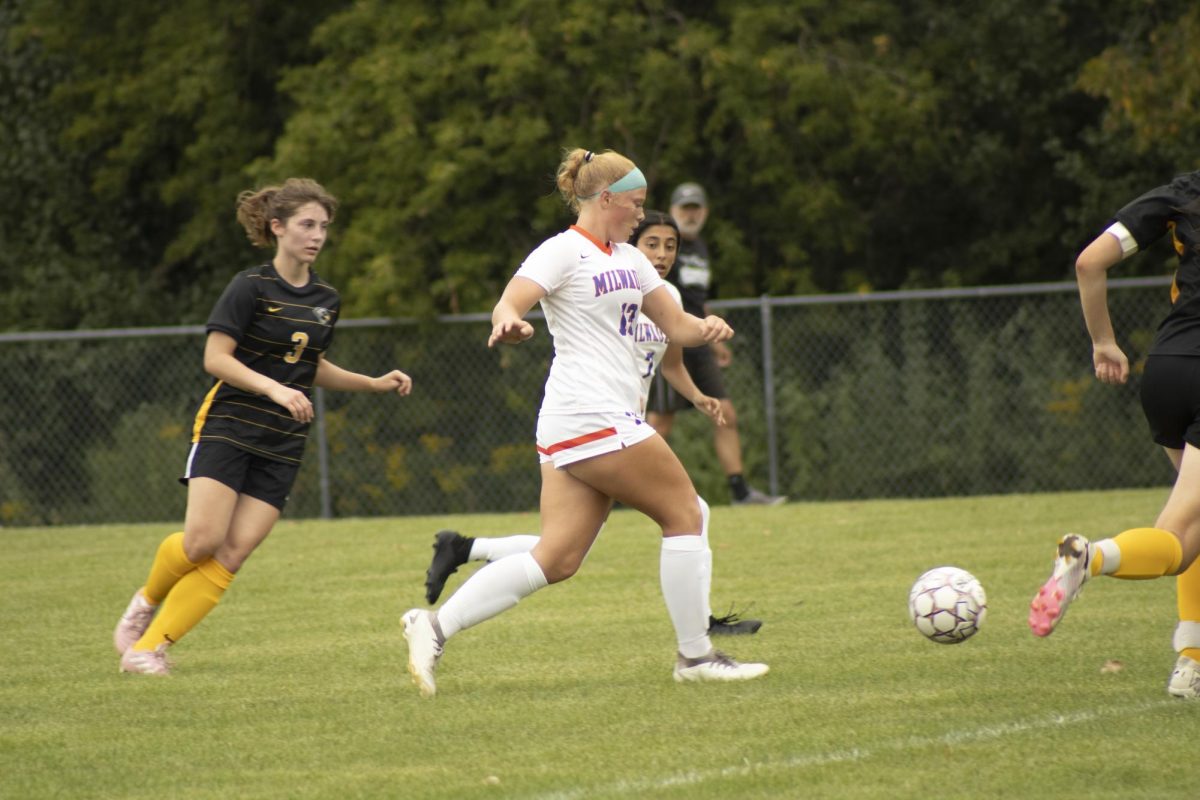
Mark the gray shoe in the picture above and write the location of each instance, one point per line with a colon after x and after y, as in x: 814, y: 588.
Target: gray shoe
x: 757, y: 498
x: 716, y: 666
x: 1185, y: 679
x: 425, y: 642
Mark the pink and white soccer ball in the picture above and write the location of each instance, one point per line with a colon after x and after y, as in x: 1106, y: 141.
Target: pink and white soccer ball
x: 947, y: 604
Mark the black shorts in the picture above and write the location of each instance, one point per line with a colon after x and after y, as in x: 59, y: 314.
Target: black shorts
x: 1171, y: 399
x: 701, y: 364
x: 246, y: 473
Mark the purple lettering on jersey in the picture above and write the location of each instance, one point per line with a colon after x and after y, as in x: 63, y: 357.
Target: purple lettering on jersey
x: 613, y: 280
x: 648, y: 332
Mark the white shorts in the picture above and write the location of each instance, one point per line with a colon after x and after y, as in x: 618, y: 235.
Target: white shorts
x: 566, y: 438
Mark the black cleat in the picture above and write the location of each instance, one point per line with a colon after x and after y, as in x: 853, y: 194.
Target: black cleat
x: 450, y: 551
x: 732, y: 625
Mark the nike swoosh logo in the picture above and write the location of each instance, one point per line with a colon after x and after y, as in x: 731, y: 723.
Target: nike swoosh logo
x: 274, y: 309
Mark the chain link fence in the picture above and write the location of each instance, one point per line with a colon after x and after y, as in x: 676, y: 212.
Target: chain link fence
x: 899, y: 394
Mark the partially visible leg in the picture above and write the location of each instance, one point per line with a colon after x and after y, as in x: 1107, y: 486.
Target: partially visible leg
x: 1185, y: 678
x: 572, y: 514
x: 662, y: 423
x: 199, y: 591
x: 170, y: 564
x: 728, y: 442
x: 1136, y: 554
x: 648, y: 476
x: 209, y: 510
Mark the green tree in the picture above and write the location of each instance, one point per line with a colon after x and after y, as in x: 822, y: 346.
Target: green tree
x: 142, y: 122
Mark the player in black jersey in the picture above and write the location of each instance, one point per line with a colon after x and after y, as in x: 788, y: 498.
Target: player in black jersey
x: 1170, y: 392
x: 693, y: 278
x: 267, y: 339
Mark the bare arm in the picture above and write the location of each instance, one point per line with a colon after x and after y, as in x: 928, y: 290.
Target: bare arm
x: 681, y: 327
x: 508, y: 325
x: 220, y: 362
x: 1091, y: 271
x: 331, y: 376
x: 677, y: 375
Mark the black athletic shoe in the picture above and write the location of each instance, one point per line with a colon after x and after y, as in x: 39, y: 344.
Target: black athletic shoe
x: 732, y: 625
x: 450, y: 551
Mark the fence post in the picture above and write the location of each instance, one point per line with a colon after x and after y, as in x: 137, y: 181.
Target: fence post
x: 322, y: 455
x: 768, y: 368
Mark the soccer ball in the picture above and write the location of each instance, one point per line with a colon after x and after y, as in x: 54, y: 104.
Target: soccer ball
x: 947, y: 604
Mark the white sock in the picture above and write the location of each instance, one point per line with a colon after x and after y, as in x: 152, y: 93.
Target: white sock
x: 681, y: 573
x: 496, y: 587
x: 706, y: 575
x: 496, y: 549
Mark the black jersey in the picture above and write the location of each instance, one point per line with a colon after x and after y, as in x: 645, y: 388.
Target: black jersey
x: 1150, y: 217
x: 692, y: 275
x: 281, y: 331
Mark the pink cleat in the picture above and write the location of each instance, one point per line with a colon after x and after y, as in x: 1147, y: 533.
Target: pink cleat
x: 1070, y: 573
x: 133, y: 622
x: 146, y: 662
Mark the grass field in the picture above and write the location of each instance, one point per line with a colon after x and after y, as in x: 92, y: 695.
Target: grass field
x: 295, y: 687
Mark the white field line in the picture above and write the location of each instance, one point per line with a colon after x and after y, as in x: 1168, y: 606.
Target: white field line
x: 851, y: 754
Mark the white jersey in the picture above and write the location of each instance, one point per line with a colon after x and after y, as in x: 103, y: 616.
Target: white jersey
x: 593, y: 296
x: 652, y: 346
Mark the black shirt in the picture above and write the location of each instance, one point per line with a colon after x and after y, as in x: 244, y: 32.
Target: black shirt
x: 281, y: 330
x: 1150, y: 217
x: 692, y: 275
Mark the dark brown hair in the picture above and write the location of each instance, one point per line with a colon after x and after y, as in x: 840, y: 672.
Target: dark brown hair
x: 256, y: 209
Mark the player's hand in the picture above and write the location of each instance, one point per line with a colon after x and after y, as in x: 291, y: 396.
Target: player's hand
x: 1111, y: 364
x: 722, y: 354
x: 711, y: 407
x: 292, y: 401
x: 715, y: 329
x: 513, y: 331
x: 394, y: 381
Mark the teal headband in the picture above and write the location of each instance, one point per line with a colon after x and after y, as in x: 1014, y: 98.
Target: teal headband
x: 634, y: 179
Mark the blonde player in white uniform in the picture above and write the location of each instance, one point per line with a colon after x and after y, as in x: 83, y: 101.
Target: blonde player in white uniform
x: 657, y: 237
x: 593, y: 445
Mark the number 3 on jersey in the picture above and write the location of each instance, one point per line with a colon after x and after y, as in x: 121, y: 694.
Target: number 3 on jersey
x: 649, y: 364
x: 300, y: 339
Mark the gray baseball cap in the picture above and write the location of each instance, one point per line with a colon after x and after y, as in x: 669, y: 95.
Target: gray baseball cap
x: 689, y: 194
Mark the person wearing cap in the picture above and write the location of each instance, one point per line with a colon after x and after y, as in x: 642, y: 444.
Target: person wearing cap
x: 592, y: 443
x: 693, y: 277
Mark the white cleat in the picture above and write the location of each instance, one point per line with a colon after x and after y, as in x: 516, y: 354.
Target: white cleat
x: 425, y: 642
x: 1185, y: 679
x: 133, y: 622
x: 1071, y: 571
x: 146, y: 662
x: 716, y: 666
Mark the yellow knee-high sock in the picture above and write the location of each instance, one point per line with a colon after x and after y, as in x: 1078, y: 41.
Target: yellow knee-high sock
x: 1141, y: 553
x: 170, y: 564
x: 1187, y: 589
x: 196, y: 594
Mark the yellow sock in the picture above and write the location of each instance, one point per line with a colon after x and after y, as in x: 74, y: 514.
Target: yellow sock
x: 1146, y: 553
x: 1187, y: 592
x: 170, y: 564
x: 196, y: 594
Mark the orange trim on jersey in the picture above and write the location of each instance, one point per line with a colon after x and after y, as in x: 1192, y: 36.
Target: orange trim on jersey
x: 603, y: 247
x: 202, y: 414
x: 567, y: 444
